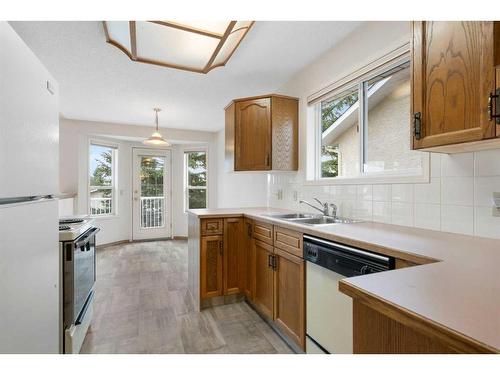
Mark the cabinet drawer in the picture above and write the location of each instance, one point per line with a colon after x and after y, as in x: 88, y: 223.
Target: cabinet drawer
x: 288, y: 240
x: 211, y: 226
x: 263, y: 232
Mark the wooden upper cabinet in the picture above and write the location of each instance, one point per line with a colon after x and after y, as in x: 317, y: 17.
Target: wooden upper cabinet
x: 253, y: 135
x: 233, y: 266
x: 211, y: 266
x: 262, y: 134
x: 453, y: 77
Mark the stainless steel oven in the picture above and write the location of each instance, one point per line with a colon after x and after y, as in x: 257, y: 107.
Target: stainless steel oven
x: 79, y: 276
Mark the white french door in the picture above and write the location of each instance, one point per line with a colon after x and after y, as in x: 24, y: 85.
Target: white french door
x: 151, y: 201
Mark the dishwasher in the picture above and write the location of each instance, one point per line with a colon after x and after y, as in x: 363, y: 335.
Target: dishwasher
x: 328, y: 311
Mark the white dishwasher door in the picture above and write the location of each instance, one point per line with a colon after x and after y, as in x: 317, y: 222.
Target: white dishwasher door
x: 329, y: 312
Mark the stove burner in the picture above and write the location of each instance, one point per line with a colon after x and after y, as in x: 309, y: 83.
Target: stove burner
x: 70, y: 221
x: 64, y: 227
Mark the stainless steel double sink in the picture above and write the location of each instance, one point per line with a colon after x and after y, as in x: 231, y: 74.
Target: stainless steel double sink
x: 311, y: 219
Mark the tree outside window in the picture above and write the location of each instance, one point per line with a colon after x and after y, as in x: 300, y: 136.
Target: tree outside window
x: 196, y: 179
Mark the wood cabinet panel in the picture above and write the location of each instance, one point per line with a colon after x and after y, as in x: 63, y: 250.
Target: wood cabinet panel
x: 211, y: 266
x: 249, y: 280
x: 453, y: 76
x: 402, y: 263
x: 233, y: 255
x: 285, y: 133
x: 264, y: 279
x: 253, y: 135
x: 289, y: 294
x: 288, y: 240
x: 263, y: 232
x: 212, y: 226
x: 375, y: 333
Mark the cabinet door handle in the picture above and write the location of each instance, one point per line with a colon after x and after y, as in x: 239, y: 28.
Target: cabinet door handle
x: 221, y: 248
x: 417, y: 125
x: 275, y: 263
x: 492, y: 108
x: 270, y: 261
x: 268, y: 159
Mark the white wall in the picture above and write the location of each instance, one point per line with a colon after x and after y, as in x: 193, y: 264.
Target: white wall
x: 458, y: 196
x: 74, y: 136
x: 239, y: 189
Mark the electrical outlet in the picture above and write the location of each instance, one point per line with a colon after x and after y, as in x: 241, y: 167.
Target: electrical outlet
x: 495, y: 211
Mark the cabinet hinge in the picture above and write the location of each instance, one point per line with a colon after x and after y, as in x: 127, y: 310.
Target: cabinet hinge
x: 493, y: 106
x: 417, y: 125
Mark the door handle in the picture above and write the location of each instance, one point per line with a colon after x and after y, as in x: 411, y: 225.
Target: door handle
x: 221, y: 248
x: 270, y: 261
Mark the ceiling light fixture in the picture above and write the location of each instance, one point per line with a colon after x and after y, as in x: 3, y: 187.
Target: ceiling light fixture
x: 156, y: 139
x: 196, y: 46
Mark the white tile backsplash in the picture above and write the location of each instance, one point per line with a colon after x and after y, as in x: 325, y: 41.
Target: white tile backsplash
x: 402, y: 213
x: 458, y: 191
x: 428, y: 216
x: 483, y: 189
x: 364, y: 192
x: 428, y: 193
x: 457, y: 198
x: 382, y: 212
x: 487, y: 163
x: 403, y: 193
x: 455, y: 165
x: 382, y: 193
x: 457, y: 219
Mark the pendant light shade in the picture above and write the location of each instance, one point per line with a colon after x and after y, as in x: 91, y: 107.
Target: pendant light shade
x: 156, y: 139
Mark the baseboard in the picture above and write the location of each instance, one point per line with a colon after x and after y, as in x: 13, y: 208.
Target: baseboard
x: 179, y: 237
x: 175, y: 238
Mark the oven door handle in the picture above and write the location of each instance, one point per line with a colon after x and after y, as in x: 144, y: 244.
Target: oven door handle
x: 82, y: 314
x: 87, y: 237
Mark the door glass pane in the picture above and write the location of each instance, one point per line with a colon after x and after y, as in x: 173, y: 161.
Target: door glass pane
x: 152, y: 192
x: 339, y: 135
x: 387, y: 122
x: 197, y: 198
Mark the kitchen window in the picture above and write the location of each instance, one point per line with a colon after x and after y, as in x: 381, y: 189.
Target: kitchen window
x: 363, y: 128
x: 102, y: 179
x: 195, y: 172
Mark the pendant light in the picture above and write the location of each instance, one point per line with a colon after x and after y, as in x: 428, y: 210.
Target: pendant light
x: 156, y: 139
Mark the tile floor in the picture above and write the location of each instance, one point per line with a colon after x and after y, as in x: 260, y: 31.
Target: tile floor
x: 141, y: 306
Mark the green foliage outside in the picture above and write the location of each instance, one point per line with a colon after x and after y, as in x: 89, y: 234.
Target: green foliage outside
x: 152, y: 173
x: 197, y: 176
x: 102, y: 172
x: 330, y: 112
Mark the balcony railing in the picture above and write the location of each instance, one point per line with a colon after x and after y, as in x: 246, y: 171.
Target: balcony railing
x: 152, y: 212
x: 101, y: 206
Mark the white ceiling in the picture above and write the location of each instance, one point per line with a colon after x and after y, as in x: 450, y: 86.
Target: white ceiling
x: 99, y: 83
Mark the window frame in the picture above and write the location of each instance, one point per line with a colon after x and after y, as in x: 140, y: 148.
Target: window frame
x: 114, y: 178
x: 359, y: 80
x: 185, y: 170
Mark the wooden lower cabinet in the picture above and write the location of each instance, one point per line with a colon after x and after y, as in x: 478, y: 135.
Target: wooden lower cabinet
x: 289, y: 295
x: 211, y: 266
x: 249, y: 261
x: 233, y: 255
x: 263, y: 298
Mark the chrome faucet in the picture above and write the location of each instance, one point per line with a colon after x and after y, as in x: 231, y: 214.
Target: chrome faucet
x: 327, y: 209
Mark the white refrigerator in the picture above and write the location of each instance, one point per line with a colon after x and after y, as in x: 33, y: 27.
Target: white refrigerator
x: 29, y: 149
